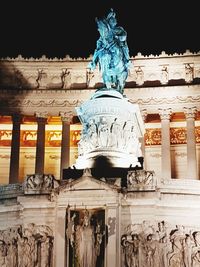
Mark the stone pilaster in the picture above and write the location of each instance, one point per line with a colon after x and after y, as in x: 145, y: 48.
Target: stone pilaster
x: 15, y: 149
x: 165, y: 115
x: 41, y: 118
x: 66, y: 118
x: 190, y: 114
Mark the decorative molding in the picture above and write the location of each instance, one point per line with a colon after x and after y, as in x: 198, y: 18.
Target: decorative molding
x: 177, y: 136
x: 166, y: 100
x: 153, y: 136
x: 53, y: 138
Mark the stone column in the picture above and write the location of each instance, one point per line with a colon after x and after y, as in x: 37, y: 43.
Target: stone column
x: 66, y: 118
x: 165, y: 115
x: 41, y: 118
x: 191, y: 143
x: 142, y: 139
x: 15, y: 149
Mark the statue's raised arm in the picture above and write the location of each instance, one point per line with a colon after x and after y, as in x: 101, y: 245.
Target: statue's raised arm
x: 111, y: 53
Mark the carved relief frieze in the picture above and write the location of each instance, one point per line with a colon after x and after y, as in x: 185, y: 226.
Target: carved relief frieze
x: 28, y: 138
x: 160, y: 245
x: 39, y: 183
x: 30, y: 245
x: 141, y: 180
x: 66, y: 73
x: 53, y: 138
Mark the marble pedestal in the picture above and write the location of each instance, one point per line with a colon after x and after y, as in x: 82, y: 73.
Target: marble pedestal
x: 111, y: 130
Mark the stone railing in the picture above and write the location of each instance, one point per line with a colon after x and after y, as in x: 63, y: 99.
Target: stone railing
x: 10, y: 191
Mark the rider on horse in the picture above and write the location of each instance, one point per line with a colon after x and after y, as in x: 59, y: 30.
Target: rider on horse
x: 112, y: 53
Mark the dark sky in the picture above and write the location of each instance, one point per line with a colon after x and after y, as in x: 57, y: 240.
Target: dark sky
x: 57, y: 28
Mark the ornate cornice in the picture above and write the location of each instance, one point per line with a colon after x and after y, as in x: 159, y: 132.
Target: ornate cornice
x: 69, y: 58
x: 166, y: 100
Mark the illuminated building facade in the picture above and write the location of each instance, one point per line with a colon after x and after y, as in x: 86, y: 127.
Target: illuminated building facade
x: 39, y: 135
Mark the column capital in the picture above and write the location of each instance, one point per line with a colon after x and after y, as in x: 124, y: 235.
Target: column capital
x: 41, y: 117
x: 41, y: 114
x: 17, y: 118
x: 66, y: 116
x: 165, y: 113
x: 190, y: 112
x: 144, y: 114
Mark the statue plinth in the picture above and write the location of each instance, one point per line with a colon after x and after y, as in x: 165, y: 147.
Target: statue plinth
x: 111, y: 130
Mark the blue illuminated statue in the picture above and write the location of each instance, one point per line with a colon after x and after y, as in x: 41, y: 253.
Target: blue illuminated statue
x: 111, y: 53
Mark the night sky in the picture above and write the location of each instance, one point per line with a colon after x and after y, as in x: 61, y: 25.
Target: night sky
x: 59, y: 28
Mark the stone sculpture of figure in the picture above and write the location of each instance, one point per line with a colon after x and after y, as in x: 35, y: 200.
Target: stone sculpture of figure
x: 103, y: 132
x: 196, y: 250
x: 139, y: 76
x: 188, y: 73
x: 164, y: 75
x: 131, y: 246
x: 151, y: 251
x: 92, y: 134
x: 116, y: 131
x: 66, y: 78
x: 90, y: 76
x: 45, y: 250
x: 3, y: 253
x: 111, y: 53
x: 175, y: 257
x: 85, y: 240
